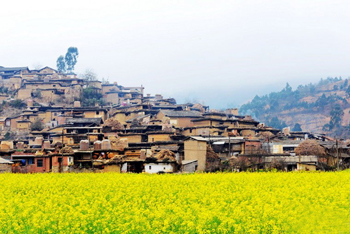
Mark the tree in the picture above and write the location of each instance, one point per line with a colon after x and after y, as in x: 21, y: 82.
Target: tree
x: 67, y: 63
x: 348, y: 91
x: 90, y: 97
x: 37, y: 125
x: 310, y: 147
x: 89, y: 75
x: 61, y: 64
x: 71, y: 58
x: 297, y: 127
x: 336, y: 114
x: 18, y: 103
x: 276, y: 123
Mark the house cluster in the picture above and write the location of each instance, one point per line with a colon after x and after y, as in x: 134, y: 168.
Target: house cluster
x: 137, y: 133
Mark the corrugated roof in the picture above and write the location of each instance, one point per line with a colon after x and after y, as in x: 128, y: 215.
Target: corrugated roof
x: 5, y: 161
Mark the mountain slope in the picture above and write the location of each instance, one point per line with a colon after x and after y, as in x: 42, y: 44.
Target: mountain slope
x: 321, y: 108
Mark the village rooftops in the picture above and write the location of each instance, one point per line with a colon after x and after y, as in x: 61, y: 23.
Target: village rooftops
x: 96, y: 121
x: 166, y: 107
x: 181, y: 114
x: 58, y: 108
x: 214, y: 138
x: 138, y: 118
x: 9, y: 71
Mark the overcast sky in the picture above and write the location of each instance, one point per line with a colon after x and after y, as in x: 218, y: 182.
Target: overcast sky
x: 220, y: 53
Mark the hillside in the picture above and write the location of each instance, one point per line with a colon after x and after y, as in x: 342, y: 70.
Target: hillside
x: 321, y: 108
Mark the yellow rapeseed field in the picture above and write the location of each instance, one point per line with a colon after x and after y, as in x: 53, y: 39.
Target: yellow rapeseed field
x: 191, y: 203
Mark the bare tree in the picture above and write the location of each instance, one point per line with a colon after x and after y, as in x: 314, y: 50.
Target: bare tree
x: 310, y: 147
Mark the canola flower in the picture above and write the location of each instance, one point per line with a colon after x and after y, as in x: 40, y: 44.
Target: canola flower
x: 184, y: 203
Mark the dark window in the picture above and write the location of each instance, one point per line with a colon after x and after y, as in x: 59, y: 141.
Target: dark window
x: 149, y: 167
x: 97, y: 112
x: 30, y: 160
x: 39, y: 163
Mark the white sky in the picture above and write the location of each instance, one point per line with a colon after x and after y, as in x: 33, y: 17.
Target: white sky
x: 221, y: 53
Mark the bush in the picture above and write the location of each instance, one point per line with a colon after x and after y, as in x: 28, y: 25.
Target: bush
x: 37, y: 125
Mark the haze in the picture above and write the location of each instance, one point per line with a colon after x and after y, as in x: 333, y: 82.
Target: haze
x: 220, y: 53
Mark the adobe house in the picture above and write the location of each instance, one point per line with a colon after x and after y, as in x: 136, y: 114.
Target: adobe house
x: 204, y: 131
x: 195, y: 148
x: 252, y: 146
x: 179, y: 118
x: 162, y: 162
x: 7, y: 72
x: 226, y: 147
x: 207, y: 122
x: 5, y: 165
x: 112, y: 98
x: 23, y: 125
x: 112, y: 167
x: 41, y: 161
x: 110, y: 88
x: 189, y: 166
x: 159, y: 136
x: 61, y: 162
x: 134, y: 137
x: 11, y: 122
x: 215, y: 115
x: 133, y: 165
x: 24, y: 94
x: 2, y: 123
x: 47, y: 71
x: 291, y: 163
x: 26, y: 162
x: 15, y: 82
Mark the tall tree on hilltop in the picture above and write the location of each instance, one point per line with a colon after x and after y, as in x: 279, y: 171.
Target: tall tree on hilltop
x: 61, y: 64
x: 71, y: 58
x: 67, y: 63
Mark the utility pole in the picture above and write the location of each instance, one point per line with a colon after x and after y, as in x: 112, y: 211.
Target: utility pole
x: 337, y: 148
x: 229, y: 145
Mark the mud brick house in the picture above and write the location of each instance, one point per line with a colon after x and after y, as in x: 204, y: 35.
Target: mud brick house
x: 179, y: 118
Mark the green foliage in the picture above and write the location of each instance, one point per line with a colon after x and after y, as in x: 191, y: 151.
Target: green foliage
x: 297, y: 128
x: 18, y: 103
x: 37, y: 125
x: 71, y: 58
x: 91, y: 97
x: 7, y: 136
x: 61, y: 64
x: 348, y: 91
x: 336, y: 114
x: 263, y: 107
x: 67, y: 63
x: 276, y: 123
x: 4, y: 90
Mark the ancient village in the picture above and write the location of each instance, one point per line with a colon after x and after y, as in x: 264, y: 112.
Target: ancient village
x: 48, y: 124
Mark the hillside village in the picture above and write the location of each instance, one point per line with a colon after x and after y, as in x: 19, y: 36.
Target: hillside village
x: 56, y: 122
